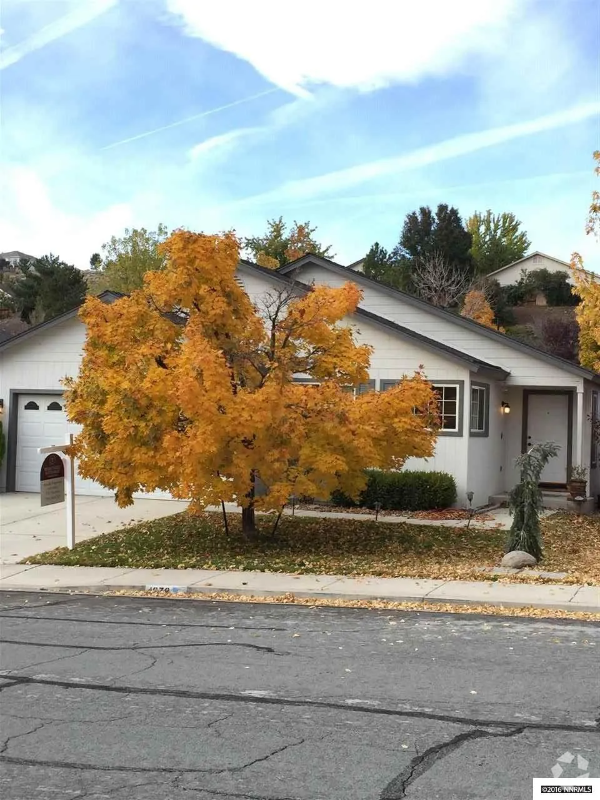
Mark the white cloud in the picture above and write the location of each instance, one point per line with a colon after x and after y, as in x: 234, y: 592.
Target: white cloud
x: 368, y: 46
x: 223, y: 143
x: 82, y: 14
x: 450, y: 148
x: 33, y: 224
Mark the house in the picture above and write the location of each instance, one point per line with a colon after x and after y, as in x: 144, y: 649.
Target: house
x: 12, y: 257
x: 497, y: 395
x: 511, y: 273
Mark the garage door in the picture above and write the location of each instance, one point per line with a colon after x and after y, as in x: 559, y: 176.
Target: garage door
x: 42, y: 422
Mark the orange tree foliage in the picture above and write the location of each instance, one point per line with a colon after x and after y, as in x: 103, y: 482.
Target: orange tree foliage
x: 186, y: 386
x: 477, y: 308
x: 588, y: 289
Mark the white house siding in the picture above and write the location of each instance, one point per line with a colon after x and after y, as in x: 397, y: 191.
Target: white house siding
x: 535, y: 261
x: 485, y: 475
x: 525, y: 369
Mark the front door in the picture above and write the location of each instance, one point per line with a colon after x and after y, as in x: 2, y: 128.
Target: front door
x: 548, y: 419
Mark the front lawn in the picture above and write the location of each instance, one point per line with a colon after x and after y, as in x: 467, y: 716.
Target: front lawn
x: 332, y: 546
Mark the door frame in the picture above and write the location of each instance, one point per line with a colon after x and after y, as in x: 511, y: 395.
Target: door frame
x: 13, y: 431
x: 526, y: 395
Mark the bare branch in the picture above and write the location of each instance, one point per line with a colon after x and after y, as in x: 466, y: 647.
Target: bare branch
x: 439, y: 282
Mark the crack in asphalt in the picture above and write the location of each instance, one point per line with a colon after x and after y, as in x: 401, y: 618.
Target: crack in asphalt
x: 141, y: 646
x: 82, y: 766
x: 139, y: 622
x: 420, y: 764
x: 12, y: 738
x: 224, y: 697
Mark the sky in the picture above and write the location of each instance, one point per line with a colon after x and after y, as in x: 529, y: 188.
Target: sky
x: 218, y: 116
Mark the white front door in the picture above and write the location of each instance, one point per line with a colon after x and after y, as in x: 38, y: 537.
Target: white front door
x: 548, y: 421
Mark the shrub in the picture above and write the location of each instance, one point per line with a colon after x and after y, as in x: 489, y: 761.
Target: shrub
x: 403, y: 491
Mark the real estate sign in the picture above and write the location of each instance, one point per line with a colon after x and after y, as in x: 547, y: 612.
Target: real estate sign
x: 52, y: 480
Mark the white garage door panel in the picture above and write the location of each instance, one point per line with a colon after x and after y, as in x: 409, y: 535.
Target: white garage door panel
x: 41, y: 426
x: 37, y: 426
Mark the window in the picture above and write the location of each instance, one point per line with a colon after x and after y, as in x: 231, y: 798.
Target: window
x: 362, y: 388
x: 449, y: 407
x: 388, y: 384
x: 479, y: 410
x: 537, y: 259
x: 54, y: 406
x: 31, y: 406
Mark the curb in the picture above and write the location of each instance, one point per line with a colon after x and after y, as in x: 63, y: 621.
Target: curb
x: 101, y: 589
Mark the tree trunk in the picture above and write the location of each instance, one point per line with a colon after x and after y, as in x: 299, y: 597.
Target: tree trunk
x: 248, y: 516
x: 249, y: 522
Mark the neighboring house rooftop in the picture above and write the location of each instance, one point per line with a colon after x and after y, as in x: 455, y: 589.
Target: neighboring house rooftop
x: 465, y: 322
x: 531, y: 256
x: 15, y: 255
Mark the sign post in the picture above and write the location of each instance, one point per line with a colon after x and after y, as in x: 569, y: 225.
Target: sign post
x: 53, y: 483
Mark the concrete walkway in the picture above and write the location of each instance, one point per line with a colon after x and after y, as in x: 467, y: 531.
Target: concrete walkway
x: 269, y: 584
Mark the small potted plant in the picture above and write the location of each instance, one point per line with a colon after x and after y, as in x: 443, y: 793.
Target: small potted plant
x: 577, y: 484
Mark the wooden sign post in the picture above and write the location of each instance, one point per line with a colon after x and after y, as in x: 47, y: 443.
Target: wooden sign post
x: 68, y: 481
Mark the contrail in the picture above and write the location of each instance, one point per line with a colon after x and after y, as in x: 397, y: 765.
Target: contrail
x: 83, y: 13
x: 189, y: 119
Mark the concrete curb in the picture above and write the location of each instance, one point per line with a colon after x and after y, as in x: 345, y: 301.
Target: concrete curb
x: 425, y: 598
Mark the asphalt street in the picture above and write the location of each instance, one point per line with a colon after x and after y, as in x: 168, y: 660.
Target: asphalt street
x: 156, y: 699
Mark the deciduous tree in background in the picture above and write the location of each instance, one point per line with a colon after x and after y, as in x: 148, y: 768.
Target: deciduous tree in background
x: 477, y: 308
x: 185, y: 386
x: 437, y: 281
x: 128, y: 258
x: 278, y: 246
x: 497, y: 240
x: 588, y: 289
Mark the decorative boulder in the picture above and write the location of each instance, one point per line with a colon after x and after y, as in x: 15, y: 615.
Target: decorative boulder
x: 517, y: 559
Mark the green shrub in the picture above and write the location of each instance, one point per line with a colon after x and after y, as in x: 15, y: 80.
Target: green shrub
x: 403, y: 491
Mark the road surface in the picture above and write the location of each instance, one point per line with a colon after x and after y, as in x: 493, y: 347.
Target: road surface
x: 150, y: 699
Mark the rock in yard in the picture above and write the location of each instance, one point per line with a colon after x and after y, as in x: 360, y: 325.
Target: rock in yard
x: 518, y: 559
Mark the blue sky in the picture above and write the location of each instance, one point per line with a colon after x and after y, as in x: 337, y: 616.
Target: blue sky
x: 214, y: 116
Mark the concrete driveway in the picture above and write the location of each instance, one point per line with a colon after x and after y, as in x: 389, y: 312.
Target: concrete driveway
x: 26, y: 528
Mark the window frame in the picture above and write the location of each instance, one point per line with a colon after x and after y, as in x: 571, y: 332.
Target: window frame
x: 485, y: 388
x: 460, y: 395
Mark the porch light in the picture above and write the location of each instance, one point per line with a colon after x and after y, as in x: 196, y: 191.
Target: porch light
x: 505, y: 407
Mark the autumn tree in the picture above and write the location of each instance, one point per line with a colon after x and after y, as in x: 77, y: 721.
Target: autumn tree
x: 426, y: 233
x: 278, y: 246
x: 186, y: 386
x: 126, y: 259
x: 497, y: 240
x: 588, y: 289
x: 49, y: 288
x: 477, y: 308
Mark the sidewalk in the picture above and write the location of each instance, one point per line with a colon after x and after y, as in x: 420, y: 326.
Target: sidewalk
x: 269, y: 584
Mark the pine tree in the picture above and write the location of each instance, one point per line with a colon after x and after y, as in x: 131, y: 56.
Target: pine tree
x: 526, y: 500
